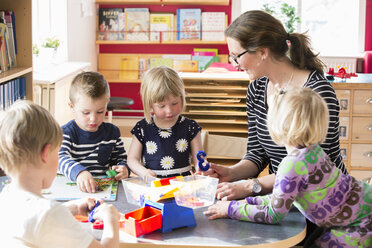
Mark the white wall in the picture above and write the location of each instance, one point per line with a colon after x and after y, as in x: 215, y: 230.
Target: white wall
x: 81, y: 31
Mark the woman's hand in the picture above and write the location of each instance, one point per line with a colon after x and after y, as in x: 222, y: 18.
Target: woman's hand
x: 122, y: 172
x: 218, y: 210
x: 85, y: 182
x: 233, y: 191
x: 219, y: 171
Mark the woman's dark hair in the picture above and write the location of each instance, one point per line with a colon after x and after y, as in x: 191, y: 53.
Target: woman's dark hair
x: 257, y: 29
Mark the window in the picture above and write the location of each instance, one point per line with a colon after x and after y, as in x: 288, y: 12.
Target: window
x: 336, y: 27
x: 49, y: 19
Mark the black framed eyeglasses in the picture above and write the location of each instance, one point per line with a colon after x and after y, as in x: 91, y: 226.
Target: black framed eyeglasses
x: 235, y: 58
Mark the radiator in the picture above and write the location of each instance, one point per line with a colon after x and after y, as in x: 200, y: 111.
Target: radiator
x: 350, y: 64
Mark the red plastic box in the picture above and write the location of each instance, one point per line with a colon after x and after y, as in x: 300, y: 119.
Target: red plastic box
x: 143, y: 220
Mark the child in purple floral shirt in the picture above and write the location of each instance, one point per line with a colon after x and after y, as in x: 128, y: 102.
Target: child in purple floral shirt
x: 337, y: 203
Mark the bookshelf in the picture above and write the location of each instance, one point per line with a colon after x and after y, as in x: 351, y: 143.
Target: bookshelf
x: 110, y: 51
x: 23, y: 11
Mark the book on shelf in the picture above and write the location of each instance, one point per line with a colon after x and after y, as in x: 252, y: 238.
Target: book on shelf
x: 8, y: 16
x: 7, y: 41
x: 202, y: 53
x: 12, y: 91
x: 143, y: 66
x: 188, y: 24
x: 204, y: 61
x: 161, y: 61
x: 129, y: 67
x: 161, y: 26
x: 213, y: 26
x: 3, y: 64
x: 177, y: 56
x: 137, y: 21
x: 185, y: 65
x: 215, y: 50
x: 110, y: 24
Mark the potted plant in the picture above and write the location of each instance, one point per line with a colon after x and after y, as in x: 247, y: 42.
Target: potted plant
x: 51, y: 42
x: 49, y: 49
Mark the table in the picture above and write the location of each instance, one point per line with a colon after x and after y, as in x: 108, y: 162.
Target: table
x: 212, y: 233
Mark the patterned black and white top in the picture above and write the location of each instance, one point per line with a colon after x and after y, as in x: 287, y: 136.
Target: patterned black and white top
x: 262, y: 150
x: 167, y: 151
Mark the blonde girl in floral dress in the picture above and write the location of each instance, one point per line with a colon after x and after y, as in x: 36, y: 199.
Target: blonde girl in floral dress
x: 164, y: 142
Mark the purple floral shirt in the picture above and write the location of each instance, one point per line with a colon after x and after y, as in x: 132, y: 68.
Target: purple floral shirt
x: 308, y: 179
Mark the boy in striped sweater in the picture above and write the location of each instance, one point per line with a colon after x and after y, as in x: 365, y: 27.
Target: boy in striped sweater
x: 90, y: 146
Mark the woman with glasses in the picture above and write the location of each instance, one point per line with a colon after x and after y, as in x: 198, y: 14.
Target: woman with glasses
x: 275, y: 62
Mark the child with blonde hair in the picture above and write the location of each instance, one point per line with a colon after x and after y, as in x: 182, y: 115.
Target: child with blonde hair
x: 30, y: 139
x: 90, y: 146
x: 337, y: 203
x: 164, y: 139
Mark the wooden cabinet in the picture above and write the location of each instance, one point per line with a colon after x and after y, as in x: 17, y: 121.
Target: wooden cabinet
x: 22, y: 10
x: 217, y: 101
x: 355, y: 97
x: 112, y: 52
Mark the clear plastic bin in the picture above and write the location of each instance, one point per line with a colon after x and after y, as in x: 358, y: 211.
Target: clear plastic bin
x: 137, y: 190
x: 195, y: 191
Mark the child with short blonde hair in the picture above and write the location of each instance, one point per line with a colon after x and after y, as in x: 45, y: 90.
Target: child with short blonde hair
x: 90, y: 146
x: 30, y: 139
x: 337, y: 203
x: 164, y: 138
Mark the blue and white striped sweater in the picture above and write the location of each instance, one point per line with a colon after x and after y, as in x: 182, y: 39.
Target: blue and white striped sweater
x: 91, y: 151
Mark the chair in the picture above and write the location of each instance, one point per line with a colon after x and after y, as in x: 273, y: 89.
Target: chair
x: 116, y: 103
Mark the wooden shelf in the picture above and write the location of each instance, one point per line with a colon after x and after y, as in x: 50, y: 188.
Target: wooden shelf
x: 212, y: 121
x: 221, y: 109
x: 216, y: 95
x: 211, y: 87
x: 14, y: 73
x: 213, y: 105
x: 175, y: 42
x: 165, y: 2
x: 23, y: 19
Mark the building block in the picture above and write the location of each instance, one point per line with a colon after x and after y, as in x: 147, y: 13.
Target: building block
x: 142, y: 221
x: 111, y: 173
x: 174, y: 216
x: 164, y: 181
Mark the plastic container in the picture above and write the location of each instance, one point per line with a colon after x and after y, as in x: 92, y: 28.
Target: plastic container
x: 195, y: 191
x: 142, y: 221
x: 137, y: 190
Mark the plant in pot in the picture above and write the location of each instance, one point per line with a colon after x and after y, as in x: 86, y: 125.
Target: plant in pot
x: 49, y: 49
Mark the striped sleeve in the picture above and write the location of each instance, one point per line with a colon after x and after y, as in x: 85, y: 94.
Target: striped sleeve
x: 67, y: 165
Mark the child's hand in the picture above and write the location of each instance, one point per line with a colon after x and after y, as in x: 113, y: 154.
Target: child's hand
x: 218, y: 210
x: 122, y: 172
x: 81, y: 206
x: 149, y: 175
x: 106, y: 213
x: 85, y: 182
